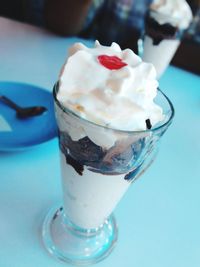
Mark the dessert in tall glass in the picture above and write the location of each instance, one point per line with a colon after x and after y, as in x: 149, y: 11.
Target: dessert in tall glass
x: 165, y: 24
x: 110, y: 117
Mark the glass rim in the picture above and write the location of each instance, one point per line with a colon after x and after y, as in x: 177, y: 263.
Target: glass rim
x: 153, y: 129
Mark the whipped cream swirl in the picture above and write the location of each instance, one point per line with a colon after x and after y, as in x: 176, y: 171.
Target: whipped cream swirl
x: 110, y: 87
x: 175, y: 12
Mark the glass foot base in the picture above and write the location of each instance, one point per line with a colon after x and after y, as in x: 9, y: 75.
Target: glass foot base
x: 75, y: 245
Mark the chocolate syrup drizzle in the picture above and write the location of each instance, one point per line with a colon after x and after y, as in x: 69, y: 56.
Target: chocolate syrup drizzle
x: 84, y: 152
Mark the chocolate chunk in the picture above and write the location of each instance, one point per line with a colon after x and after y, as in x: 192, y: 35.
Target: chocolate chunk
x: 75, y: 164
x: 148, y: 124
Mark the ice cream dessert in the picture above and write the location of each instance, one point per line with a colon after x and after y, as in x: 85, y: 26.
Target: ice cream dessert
x: 166, y: 22
x: 105, y: 111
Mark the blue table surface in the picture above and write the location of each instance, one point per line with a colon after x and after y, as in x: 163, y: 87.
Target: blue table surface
x: 158, y: 218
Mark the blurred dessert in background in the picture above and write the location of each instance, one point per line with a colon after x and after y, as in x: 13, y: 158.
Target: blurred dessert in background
x: 165, y: 25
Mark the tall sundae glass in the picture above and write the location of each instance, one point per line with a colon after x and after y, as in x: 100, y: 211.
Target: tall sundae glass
x: 98, y: 164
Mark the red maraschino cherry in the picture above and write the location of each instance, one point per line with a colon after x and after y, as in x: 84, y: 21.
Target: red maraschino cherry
x: 111, y: 62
